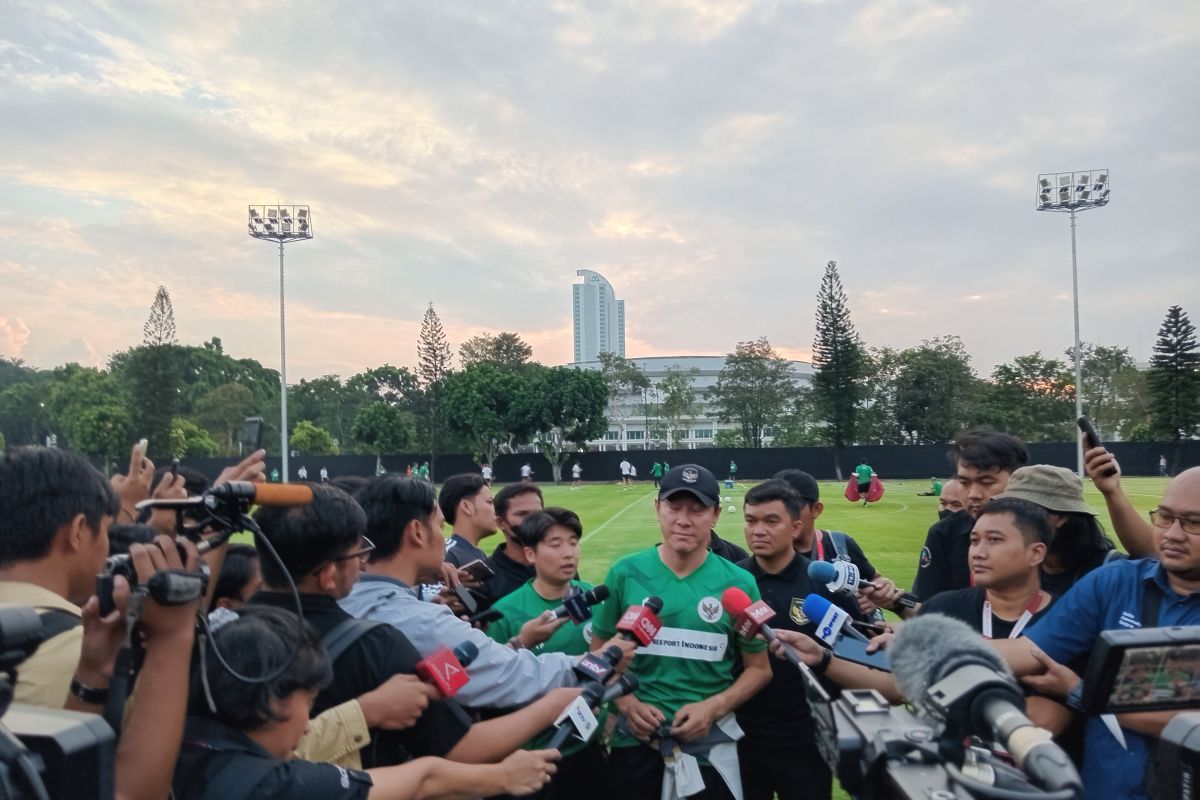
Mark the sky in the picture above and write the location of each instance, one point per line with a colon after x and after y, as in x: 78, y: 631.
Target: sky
x: 707, y: 156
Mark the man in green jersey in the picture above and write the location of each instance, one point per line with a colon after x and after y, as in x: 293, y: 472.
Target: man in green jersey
x: 862, y: 475
x: 686, y: 675
x: 656, y: 472
x: 551, y: 541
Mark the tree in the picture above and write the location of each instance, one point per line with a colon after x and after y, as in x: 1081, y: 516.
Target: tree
x: 1174, y: 378
x: 623, y: 379
x: 1113, y: 388
x: 677, y: 404
x: 753, y: 389
x: 489, y: 406
x: 24, y: 418
x: 222, y: 411
x: 327, y: 403
x: 798, y: 427
x: 189, y: 440
x: 433, y: 365
x: 877, y: 415
x: 383, y: 428
x: 935, y: 391
x: 505, y: 348
x: 568, y: 407
x: 312, y: 440
x: 104, y: 430
x: 154, y: 375
x: 839, y: 364
x: 89, y: 409
x: 1032, y: 398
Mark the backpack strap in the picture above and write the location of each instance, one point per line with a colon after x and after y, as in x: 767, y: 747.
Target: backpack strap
x: 1151, y: 604
x: 56, y: 621
x: 840, y: 545
x: 240, y: 783
x: 339, y: 638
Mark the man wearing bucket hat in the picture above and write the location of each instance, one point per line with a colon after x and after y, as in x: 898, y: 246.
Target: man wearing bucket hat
x: 1078, y: 544
x: 687, y: 689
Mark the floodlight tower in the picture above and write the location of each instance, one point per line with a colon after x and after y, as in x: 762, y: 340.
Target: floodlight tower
x: 282, y: 224
x: 1071, y: 192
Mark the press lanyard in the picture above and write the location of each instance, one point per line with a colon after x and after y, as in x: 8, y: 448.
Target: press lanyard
x: 820, y: 547
x: 1022, y: 621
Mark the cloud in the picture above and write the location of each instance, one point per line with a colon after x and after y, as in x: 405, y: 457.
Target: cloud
x: 14, y: 334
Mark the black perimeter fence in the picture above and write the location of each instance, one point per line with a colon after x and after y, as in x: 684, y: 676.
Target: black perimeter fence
x: 889, y: 461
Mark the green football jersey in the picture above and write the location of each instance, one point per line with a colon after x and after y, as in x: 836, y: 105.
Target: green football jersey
x: 692, y: 657
x: 863, y: 473
x: 524, y: 604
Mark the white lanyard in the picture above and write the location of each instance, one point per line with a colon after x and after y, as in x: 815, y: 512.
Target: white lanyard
x: 1022, y: 621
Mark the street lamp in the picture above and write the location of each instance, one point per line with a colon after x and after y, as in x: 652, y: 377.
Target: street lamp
x: 281, y: 224
x: 1071, y: 192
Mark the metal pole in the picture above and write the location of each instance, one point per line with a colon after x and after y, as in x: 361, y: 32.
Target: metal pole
x: 1078, y: 351
x: 283, y: 415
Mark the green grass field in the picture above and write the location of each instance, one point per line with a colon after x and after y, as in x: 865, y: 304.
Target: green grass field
x: 618, y: 521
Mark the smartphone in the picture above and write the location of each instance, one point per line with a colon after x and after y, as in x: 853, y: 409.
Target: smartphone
x: 1090, y: 437
x: 478, y: 569
x: 484, y: 617
x: 856, y: 651
x: 252, y: 432
x: 470, y: 604
x: 174, y: 468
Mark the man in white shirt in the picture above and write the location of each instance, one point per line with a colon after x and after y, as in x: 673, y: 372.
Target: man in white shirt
x: 625, y: 467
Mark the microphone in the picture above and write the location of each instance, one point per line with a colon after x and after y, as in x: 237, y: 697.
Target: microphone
x: 830, y: 620
x: 594, y: 695
x: 752, y: 618
x: 264, y: 494
x: 446, y: 669
x: 577, y: 606
x: 640, y: 623
x: 945, y: 668
x: 843, y: 576
x: 599, y: 667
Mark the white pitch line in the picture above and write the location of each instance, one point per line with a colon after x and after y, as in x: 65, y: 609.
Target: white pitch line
x: 608, y: 521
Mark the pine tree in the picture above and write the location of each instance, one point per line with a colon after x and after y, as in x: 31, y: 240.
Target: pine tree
x: 1174, y: 378
x: 160, y: 325
x: 839, y: 363
x: 155, y: 376
x: 433, y: 365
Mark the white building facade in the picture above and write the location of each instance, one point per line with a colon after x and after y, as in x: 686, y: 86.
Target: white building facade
x: 634, y: 421
x: 599, y: 317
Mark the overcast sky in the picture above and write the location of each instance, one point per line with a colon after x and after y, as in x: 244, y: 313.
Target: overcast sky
x: 707, y: 156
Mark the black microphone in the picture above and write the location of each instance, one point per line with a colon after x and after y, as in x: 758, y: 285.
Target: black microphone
x: 946, y: 669
x: 577, y: 606
x: 598, y: 667
x: 595, y: 695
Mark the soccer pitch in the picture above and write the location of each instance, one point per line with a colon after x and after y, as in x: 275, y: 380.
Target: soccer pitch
x: 619, y: 521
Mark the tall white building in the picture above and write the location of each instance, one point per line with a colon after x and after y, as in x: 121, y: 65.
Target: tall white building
x: 599, y: 317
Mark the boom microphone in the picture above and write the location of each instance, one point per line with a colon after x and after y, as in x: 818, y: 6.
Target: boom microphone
x: 578, y: 606
x: 752, y: 618
x: 944, y: 668
x: 843, y: 576
x: 640, y: 623
x: 246, y: 492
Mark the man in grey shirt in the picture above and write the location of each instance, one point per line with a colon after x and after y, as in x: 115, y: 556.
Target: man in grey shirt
x: 404, y: 522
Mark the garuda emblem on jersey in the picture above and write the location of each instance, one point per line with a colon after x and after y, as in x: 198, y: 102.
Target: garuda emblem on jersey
x: 796, y: 611
x: 709, y: 609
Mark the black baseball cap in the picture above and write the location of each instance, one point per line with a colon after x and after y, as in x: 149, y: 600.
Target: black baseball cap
x: 693, y: 479
x: 804, y: 484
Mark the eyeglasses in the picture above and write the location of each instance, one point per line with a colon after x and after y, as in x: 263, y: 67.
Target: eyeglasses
x: 361, y: 554
x: 1165, y: 519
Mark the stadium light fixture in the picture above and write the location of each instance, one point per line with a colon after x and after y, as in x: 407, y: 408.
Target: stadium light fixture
x: 282, y: 225
x: 1077, y: 191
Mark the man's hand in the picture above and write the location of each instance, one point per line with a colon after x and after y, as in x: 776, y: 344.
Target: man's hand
x: 695, y: 720
x: 171, y: 486
x: 641, y: 718
x: 397, y: 703
x: 880, y: 642
x: 134, y: 486
x: 540, y: 628
x: 102, y: 637
x: 160, y: 622
x: 252, y: 468
x: 1055, y: 680
x: 447, y: 597
x: 1102, y: 467
x: 527, y: 771
x: 885, y: 594
x: 806, y: 647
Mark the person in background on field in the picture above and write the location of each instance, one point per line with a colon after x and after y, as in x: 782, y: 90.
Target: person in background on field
x: 935, y: 489
x: 732, y: 470
x: 576, y: 474
x: 275, y: 475
x: 862, y: 474
x: 302, y: 473
x: 624, y: 466
x: 424, y: 470
x: 527, y: 471
x: 950, y: 498
x: 408, y: 470
x: 324, y: 475
x: 486, y: 470
x: 1162, y: 466
x: 632, y: 473
x: 656, y: 472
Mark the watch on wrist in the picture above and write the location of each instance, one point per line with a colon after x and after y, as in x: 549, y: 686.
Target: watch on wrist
x: 87, y: 694
x: 516, y: 644
x: 823, y: 665
x: 1074, y: 699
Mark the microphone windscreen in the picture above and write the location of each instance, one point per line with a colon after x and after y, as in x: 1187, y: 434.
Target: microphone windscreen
x: 932, y: 646
x: 282, y: 494
x: 735, y: 601
x: 815, y: 607
x: 596, y: 595
x: 613, y: 654
x: 466, y: 652
x: 822, y: 571
x: 655, y: 604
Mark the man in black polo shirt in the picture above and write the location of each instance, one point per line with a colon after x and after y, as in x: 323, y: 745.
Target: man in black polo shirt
x: 820, y: 545
x: 983, y: 460
x: 779, y: 752
x: 466, y: 502
x: 513, y: 504
x: 321, y: 546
